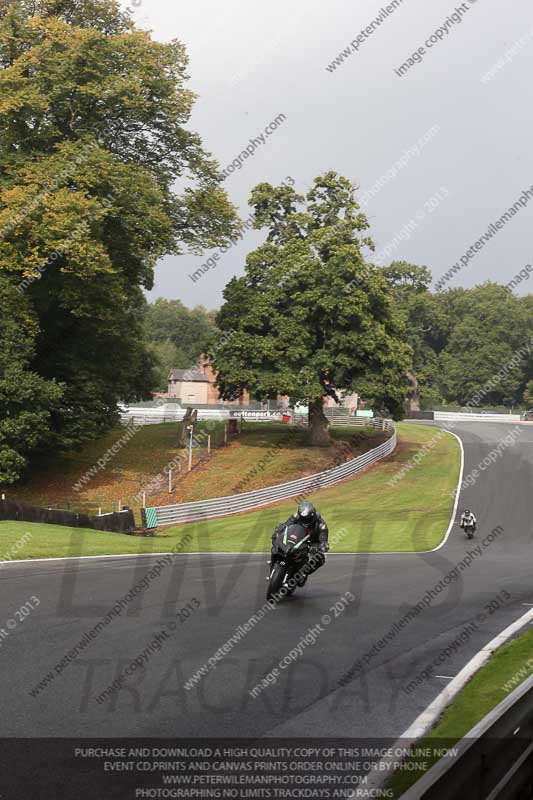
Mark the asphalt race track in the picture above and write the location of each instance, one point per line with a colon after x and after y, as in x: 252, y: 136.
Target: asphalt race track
x: 307, y: 699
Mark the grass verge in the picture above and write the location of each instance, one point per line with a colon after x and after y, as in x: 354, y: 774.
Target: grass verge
x: 369, y: 513
x: 265, y: 453
x: 508, y: 667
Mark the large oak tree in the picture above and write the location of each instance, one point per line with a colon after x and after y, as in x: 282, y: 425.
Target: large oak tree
x: 311, y: 317
x: 93, y: 137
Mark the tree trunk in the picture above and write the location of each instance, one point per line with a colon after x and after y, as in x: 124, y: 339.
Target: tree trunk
x: 413, y: 398
x: 190, y: 418
x: 318, y: 424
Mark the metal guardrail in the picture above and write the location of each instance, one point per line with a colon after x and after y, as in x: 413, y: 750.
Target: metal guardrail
x: 494, y: 761
x: 364, y: 422
x: 247, y: 501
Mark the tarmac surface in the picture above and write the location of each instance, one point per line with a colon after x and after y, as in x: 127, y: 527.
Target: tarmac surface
x: 354, y: 673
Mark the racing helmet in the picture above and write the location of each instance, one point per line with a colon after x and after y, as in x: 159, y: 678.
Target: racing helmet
x: 307, y: 513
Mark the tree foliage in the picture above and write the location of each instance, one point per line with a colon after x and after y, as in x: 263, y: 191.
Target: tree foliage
x: 424, y: 321
x: 93, y: 137
x: 177, y: 335
x: 310, y: 316
x: 27, y: 401
x: 528, y: 394
x: 490, y: 327
x: 463, y: 338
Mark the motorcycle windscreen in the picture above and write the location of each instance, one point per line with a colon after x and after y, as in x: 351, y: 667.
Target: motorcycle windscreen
x: 294, y: 536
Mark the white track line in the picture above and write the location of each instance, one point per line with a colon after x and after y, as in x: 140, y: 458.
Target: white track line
x: 457, y: 493
x: 226, y: 553
x: 425, y: 721
x: 86, y: 558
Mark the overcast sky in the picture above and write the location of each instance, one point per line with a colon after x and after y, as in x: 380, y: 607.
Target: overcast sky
x: 251, y: 61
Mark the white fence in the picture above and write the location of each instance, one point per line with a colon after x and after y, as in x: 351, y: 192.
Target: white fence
x: 460, y: 416
x: 247, y: 501
x: 155, y: 416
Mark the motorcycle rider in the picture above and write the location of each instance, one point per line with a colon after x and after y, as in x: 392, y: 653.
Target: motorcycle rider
x: 468, y: 519
x: 308, y: 517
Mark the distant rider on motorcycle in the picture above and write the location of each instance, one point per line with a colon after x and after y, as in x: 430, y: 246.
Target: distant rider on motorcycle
x: 308, y: 517
x: 468, y: 520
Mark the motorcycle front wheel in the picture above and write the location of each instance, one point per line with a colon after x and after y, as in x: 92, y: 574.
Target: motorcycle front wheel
x: 275, y: 582
x: 289, y: 589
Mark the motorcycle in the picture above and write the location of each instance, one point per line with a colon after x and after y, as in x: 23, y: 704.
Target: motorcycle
x: 290, y: 551
x: 469, y: 530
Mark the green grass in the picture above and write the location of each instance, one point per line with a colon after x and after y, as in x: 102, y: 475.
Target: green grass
x: 365, y: 513
x: 139, y: 465
x: 411, y: 516
x: 52, y: 479
x: 48, y: 541
x: 480, y: 696
x: 266, y: 454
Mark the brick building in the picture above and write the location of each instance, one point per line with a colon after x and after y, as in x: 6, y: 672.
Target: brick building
x: 197, y: 386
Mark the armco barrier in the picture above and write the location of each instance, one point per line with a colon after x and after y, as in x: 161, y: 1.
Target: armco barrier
x: 363, y: 422
x: 234, y: 504
x: 494, y: 761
